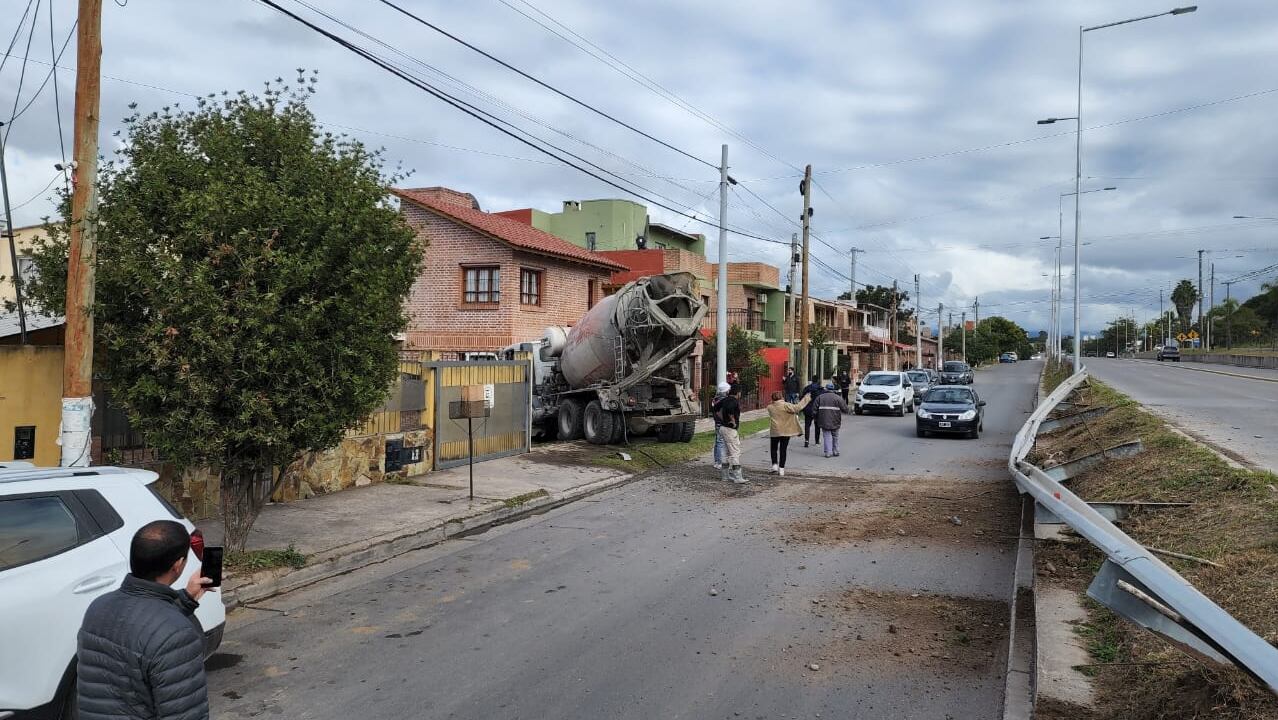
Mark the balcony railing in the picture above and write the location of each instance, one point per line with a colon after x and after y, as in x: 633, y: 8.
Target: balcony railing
x: 746, y: 320
x: 848, y: 336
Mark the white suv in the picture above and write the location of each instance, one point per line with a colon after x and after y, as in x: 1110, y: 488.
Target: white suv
x: 884, y: 390
x: 64, y: 540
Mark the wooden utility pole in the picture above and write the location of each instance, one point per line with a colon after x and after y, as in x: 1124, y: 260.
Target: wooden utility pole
x: 791, y: 308
x: 940, y: 337
x: 805, y: 187
x: 77, y: 369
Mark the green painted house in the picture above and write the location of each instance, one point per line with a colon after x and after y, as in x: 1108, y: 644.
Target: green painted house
x: 609, y: 225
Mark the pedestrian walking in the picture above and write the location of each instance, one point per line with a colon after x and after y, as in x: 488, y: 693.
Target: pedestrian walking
x: 811, y: 392
x: 140, y: 649
x: 783, y: 424
x: 845, y: 383
x: 720, y: 392
x: 830, y: 408
x: 729, y: 416
x: 791, y: 385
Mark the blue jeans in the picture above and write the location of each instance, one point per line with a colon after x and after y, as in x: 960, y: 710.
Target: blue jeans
x: 792, y: 397
x: 718, y: 446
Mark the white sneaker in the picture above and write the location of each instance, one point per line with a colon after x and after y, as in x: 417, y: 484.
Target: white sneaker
x: 718, y: 466
x: 774, y: 468
x: 781, y: 472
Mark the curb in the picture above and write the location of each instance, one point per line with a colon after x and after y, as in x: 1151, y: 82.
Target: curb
x: 1183, y: 366
x: 354, y: 556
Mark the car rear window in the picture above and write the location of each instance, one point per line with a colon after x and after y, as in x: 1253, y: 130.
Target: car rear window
x: 955, y: 367
x: 920, y: 377
x: 35, y: 528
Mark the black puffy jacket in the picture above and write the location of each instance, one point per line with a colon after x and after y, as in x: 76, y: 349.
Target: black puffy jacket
x: 141, y: 656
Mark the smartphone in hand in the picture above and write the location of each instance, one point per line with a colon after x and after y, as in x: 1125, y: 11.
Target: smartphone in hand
x: 211, y: 566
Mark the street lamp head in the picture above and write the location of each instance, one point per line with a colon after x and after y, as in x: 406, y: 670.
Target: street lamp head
x: 1047, y: 121
x: 1183, y: 10
x: 1110, y: 188
x: 1242, y: 217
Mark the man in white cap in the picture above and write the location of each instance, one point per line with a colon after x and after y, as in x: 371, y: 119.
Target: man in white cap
x: 721, y: 392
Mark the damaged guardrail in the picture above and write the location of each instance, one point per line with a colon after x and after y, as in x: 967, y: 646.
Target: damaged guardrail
x: 1132, y: 581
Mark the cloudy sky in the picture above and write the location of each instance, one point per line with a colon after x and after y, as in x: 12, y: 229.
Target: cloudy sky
x: 918, y: 118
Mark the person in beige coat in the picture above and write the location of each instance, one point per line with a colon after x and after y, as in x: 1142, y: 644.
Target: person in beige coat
x: 783, y: 424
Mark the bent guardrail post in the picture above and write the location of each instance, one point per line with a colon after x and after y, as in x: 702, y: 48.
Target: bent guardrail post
x: 1133, y: 582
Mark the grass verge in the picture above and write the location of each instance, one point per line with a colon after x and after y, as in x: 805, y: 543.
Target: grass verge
x: 1232, y: 520
x: 649, y: 454
x: 254, y: 560
x: 518, y: 500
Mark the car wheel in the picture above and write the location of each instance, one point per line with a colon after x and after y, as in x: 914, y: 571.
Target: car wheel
x: 856, y: 410
x: 975, y: 434
x: 901, y: 411
x: 910, y: 407
x: 920, y: 432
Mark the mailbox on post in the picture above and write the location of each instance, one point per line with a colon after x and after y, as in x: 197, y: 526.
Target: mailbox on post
x: 476, y: 401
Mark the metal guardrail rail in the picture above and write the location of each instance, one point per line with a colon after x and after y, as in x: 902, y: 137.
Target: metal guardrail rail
x: 1132, y: 581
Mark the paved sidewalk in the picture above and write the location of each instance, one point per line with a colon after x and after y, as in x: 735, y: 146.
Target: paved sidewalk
x: 342, y: 531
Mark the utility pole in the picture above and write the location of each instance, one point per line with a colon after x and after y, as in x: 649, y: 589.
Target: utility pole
x: 976, y: 306
x: 805, y: 187
x: 1211, y: 306
x: 1201, y: 323
x: 721, y: 313
x: 77, y: 369
x: 13, y: 248
x: 794, y: 259
x: 896, y: 304
x: 1162, y: 315
x: 918, y: 325
x: 1229, y: 319
x: 940, y: 337
x: 854, y: 251
x: 963, y: 321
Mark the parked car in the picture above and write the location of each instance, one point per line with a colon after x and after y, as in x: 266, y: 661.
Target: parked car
x: 921, y: 380
x: 884, y: 391
x: 64, y: 540
x: 956, y: 372
x: 1169, y: 352
x: 1007, y: 357
x: 950, y: 409
x: 1109, y: 353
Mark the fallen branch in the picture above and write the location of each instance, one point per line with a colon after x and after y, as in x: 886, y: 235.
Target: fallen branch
x: 1182, y: 556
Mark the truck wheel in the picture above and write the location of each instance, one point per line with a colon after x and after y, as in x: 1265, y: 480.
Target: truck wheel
x: 618, y: 428
x: 597, y: 424
x: 668, y: 433
x: 570, y: 420
x: 687, y: 430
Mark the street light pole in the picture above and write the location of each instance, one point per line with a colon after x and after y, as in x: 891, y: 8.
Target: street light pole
x: 1078, y: 164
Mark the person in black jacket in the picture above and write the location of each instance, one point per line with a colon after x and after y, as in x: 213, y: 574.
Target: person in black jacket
x: 813, y: 391
x: 790, y: 384
x: 140, y: 648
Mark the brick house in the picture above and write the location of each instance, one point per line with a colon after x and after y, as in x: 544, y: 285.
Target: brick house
x: 488, y: 281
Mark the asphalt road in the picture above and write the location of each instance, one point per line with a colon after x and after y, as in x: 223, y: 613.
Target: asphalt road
x: 875, y: 588
x: 1239, y: 415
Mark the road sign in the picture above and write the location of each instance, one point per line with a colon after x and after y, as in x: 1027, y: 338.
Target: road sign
x: 1182, y: 337
x: 1193, y: 334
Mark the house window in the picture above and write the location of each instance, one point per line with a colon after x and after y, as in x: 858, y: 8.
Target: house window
x: 26, y: 269
x: 529, y: 287
x: 592, y: 289
x: 482, y: 285
x: 590, y: 241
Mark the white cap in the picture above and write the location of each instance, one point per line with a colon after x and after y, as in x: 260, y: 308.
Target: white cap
x: 723, y: 388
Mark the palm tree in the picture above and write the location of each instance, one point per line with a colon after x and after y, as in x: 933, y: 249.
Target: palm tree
x: 1184, y: 297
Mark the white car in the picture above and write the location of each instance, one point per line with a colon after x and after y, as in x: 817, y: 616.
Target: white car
x: 884, y: 391
x: 64, y: 540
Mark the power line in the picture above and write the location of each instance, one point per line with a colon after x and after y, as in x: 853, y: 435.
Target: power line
x: 494, y: 122
x: 542, y: 83
x: 53, y: 68
x: 22, y: 75
x: 57, y: 100
x: 17, y: 32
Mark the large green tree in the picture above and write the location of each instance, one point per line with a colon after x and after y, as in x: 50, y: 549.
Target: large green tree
x: 1183, y: 297
x: 743, y: 356
x: 251, y: 273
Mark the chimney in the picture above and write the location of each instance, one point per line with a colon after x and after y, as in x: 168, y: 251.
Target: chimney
x: 447, y: 196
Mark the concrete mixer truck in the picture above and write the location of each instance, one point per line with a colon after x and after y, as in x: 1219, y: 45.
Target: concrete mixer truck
x: 622, y: 371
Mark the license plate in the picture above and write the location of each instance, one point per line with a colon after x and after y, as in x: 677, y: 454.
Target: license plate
x: 943, y: 424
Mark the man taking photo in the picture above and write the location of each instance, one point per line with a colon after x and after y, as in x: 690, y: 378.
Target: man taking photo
x: 141, y: 651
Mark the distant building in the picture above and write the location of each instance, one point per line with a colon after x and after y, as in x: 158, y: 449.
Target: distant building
x: 609, y: 225
x: 24, y: 239
x: 488, y: 280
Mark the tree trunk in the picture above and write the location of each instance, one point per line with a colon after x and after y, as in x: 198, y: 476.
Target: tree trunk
x: 246, y: 485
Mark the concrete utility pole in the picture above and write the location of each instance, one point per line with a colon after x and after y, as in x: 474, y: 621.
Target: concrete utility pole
x: 1211, y: 306
x: 1201, y: 321
x: 918, y: 325
x: 791, y: 308
x: 896, y: 304
x: 1229, y: 319
x: 940, y: 336
x: 963, y: 320
x: 852, y: 278
x: 13, y: 248
x: 805, y: 187
x: 721, y: 313
x: 976, y: 306
x: 77, y: 370
x: 1163, y: 315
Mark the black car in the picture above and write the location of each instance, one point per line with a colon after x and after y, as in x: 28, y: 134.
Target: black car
x: 950, y: 409
x: 956, y: 372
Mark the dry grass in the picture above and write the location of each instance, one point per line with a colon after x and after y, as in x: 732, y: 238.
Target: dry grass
x: 1233, y: 521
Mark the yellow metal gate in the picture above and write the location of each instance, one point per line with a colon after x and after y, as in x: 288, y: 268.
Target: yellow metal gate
x: 505, y: 430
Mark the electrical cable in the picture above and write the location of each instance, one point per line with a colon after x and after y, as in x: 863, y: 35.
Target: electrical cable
x: 16, y: 33
x: 542, y: 83
x: 477, y: 113
x: 57, y: 102
x: 52, y: 69
x: 23, y: 73
x: 33, y: 198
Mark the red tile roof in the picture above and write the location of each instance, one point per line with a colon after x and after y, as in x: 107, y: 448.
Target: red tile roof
x: 512, y: 232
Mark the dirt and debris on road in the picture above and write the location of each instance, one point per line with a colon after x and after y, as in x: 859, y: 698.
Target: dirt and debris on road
x: 940, y: 511
x: 890, y: 628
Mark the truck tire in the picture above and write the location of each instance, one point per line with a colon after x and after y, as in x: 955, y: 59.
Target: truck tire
x: 668, y: 433
x: 687, y: 430
x: 618, y: 428
x: 597, y: 424
x: 569, y: 420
